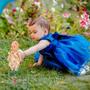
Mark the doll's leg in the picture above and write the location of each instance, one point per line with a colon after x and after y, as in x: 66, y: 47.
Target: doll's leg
x: 49, y: 64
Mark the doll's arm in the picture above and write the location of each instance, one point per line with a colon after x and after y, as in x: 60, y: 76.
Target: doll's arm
x: 41, y: 45
x: 40, y: 61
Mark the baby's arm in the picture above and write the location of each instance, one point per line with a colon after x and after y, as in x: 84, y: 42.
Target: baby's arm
x: 41, y: 45
x: 40, y: 61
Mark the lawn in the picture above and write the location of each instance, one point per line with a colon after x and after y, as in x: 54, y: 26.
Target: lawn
x: 40, y: 78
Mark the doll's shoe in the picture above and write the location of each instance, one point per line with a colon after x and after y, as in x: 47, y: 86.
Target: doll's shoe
x: 84, y: 70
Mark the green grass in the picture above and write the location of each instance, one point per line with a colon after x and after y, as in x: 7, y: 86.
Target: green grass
x: 35, y: 78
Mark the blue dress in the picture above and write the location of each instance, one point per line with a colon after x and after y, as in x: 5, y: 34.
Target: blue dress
x: 65, y: 52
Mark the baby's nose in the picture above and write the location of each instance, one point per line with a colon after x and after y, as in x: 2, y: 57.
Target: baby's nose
x: 32, y: 36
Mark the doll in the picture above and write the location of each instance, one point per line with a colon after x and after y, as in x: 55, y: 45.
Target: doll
x: 14, y: 58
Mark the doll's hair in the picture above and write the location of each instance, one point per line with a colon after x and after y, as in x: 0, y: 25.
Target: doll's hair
x: 39, y: 21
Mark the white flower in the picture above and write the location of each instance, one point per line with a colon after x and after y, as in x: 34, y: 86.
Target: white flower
x: 37, y: 4
x: 62, y: 5
x: 82, y: 16
x: 53, y: 9
x: 54, y: 2
x: 6, y: 15
x: 19, y: 9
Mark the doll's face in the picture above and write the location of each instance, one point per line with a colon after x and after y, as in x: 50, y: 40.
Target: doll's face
x: 36, y: 32
x: 14, y: 45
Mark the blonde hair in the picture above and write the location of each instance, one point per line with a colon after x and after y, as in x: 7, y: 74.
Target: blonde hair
x: 39, y: 21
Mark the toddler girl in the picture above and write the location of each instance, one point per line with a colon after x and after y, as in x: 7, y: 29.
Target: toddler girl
x: 63, y: 52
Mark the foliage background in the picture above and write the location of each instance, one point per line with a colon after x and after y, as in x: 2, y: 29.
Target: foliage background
x: 52, y: 10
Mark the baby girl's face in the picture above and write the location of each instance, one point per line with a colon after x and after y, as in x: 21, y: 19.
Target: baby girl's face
x: 36, y: 32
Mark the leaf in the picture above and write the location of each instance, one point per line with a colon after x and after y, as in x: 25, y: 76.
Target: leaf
x: 88, y: 6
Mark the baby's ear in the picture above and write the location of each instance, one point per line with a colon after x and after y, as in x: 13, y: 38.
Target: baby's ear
x: 46, y: 31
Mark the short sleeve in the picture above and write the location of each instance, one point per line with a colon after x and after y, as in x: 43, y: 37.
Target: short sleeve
x: 48, y: 37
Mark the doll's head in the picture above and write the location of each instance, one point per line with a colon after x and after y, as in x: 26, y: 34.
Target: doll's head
x: 38, y: 28
x: 14, y: 46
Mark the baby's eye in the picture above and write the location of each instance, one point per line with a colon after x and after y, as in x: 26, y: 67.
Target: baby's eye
x: 29, y: 33
x: 35, y: 32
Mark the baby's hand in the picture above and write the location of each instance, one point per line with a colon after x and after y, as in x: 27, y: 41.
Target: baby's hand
x: 21, y: 54
x: 36, y: 64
